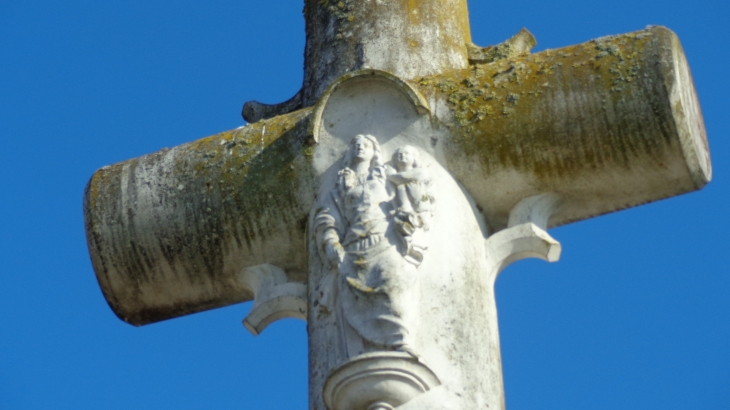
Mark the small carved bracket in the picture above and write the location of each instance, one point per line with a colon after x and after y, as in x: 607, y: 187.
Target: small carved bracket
x: 525, y: 235
x: 274, y: 298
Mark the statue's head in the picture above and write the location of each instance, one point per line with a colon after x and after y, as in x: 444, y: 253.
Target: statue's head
x: 406, y: 157
x: 363, y: 148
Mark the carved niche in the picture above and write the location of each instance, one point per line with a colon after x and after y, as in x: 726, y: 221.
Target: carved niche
x: 396, y: 251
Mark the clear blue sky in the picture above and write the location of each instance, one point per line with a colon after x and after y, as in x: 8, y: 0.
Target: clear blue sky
x: 635, y: 316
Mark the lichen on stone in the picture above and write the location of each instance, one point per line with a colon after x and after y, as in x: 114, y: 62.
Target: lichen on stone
x: 493, y: 105
x: 518, y: 45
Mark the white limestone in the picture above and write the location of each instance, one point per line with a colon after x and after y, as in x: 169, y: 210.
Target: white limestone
x: 400, y: 263
x: 388, y: 197
x: 274, y: 298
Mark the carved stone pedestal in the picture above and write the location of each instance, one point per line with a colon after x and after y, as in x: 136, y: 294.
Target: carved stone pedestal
x: 377, y: 381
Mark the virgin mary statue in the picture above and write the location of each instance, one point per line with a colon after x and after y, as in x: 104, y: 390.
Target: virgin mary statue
x: 369, y: 281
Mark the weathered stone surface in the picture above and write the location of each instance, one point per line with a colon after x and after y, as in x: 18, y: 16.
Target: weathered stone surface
x: 169, y: 232
x: 608, y: 124
x: 517, y: 46
x: 440, y: 307
x: 254, y: 111
x: 506, y: 131
x: 426, y: 167
x: 408, y: 38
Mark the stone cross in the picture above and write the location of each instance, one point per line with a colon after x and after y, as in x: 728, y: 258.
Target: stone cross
x: 380, y: 203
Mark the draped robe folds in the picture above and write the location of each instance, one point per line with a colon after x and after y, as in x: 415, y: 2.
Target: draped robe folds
x: 373, y: 286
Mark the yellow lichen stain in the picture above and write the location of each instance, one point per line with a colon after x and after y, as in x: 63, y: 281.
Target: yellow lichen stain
x: 249, y: 171
x: 254, y: 167
x: 343, y: 12
x: 413, y: 11
x: 501, y: 110
x: 462, y: 16
x: 355, y: 22
x: 99, y: 180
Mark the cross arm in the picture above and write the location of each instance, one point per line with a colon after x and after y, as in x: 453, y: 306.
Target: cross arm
x: 607, y: 125
x: 170, y: 232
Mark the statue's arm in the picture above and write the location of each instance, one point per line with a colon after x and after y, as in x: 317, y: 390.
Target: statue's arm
x: 326, y: 225
x: 412, y: 175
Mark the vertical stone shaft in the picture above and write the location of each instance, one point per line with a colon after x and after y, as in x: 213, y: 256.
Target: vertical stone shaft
x: 408, y: 38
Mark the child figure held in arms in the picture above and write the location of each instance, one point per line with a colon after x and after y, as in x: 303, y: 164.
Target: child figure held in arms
x: 413, y: 202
